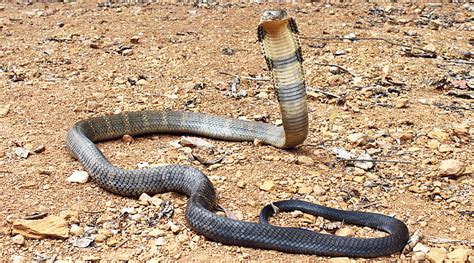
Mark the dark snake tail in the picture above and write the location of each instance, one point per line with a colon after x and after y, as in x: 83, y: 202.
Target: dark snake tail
x: 278, y: 36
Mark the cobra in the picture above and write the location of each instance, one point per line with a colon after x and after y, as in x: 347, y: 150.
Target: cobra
x: 278, y: 35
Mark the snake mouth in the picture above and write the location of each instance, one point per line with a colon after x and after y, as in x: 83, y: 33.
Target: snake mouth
x: 272, y: 20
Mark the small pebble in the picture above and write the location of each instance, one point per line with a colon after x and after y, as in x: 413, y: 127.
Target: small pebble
x: 419, y: 247
x: 305, y: 160
x: 135, y: 39
x: 358, y: 139
x: 78, y: 177
x: 334, y: 70
x: 19, y: 240
x: 451, y: 167
x: 76, y: 230
x: 345, y: 232
x: 267, y: 186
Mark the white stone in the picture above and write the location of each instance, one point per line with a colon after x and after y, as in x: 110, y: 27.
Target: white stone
x: 78, y: 177
x: 18, y: 239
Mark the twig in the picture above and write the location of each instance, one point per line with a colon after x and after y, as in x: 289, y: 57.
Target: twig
x: 414, y: 239
x: 319, y: 146
x: 94, y: 212
x: 329, y: 94
x: 458, y: 61
x: 370, y: 38
x: 5, y: 172
x: 334, y: 65
x: 368, y: 205
x: 375, y: 161
x: 246, y: 77
x: 121, y: 244
x: 448, y: 241
x: 432, y: 53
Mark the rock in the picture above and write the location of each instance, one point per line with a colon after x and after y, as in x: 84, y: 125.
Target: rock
x: 257, y: 142
x: 350, y: 36
x: 104, y: 218
x: 444, y: 148
x: 135, y: 39
x: 80, y: 177
x: 460, y: 254
x: 127, y: 138
x: 76, y: 230
x: 228, y: 51
x: 436, y: 255
x: 451, y: 167
x: 175, y: 144
x: 335, y: 80
x: 39, y: 148
x: 128, y: 210
x: 334, y: 70
x: 48, y: 227
x: 419, y: 247
x: 4, y: 110
x: 18, y: 239
x: 156, y: 233
x: 195, y: 142
x: 402, y: 103
x: 439, y: 135
x: 72, y: 216
x: 127, y: 52
x: 156, y: 201
x: 305, y: 160
x: 262, y: 95
x: 358, y: 179
x: 304, y: 190
x: 418, y: 257
x: 99, y: 95
x: 267, y: 186
x: 92, y: 105
x: 430, y: 47
x: 410, y: 33
x: 144, y: 198
x: 345, y: 232
x: 358, y: 139
x: 22, y: 152
x: 241, y: 184
x: 160, y: 241
x: 318, y: 190
x: 105, y: 232
x: 405, y: 137
x: 296, y: 214
x: 433, y: 144
x: 142, y: 82
x: 461, y: 129
x: 174, y: 228
x: 100, y: 238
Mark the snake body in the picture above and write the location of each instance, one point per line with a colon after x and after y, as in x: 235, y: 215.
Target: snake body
x: 277, y: 33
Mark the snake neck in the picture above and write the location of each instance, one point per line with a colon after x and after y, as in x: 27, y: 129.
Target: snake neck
x: 282, y: 51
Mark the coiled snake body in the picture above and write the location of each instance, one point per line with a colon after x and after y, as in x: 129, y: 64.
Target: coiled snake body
x: 277, y: 33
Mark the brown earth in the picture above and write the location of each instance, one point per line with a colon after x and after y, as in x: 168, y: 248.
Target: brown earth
x: 60, y: 63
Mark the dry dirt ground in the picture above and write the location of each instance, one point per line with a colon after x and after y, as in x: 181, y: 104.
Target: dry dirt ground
x: 60, y: 63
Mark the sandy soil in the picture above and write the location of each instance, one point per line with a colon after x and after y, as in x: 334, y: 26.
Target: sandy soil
x: 60, y: 63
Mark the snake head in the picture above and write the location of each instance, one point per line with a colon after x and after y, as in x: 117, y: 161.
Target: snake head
x: 273, y: 15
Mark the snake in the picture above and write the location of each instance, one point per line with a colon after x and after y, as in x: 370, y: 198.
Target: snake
x: 277, y: 34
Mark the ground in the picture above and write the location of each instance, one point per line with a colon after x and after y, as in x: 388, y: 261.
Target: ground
x: 60, y: 63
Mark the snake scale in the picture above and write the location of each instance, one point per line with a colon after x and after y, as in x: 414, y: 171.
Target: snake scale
x: 278, y: 35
